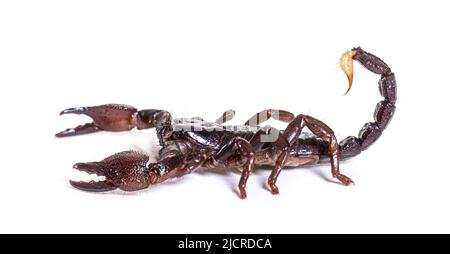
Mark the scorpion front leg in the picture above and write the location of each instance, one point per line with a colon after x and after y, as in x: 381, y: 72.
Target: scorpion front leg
x: 177, y: 158
x: 291, y: 134
x: 227, y: 155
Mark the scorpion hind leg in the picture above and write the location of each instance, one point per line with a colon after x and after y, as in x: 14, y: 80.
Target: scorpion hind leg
x: 287, y: 139
x: 277, y: 114
x: 127, y: 171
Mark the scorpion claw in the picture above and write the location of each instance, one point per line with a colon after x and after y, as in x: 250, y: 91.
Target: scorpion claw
x: 274, y: 189
x: 242, y: 193
x: 127, y: 171
x: 80, y: 129
x: 346, y: 64
x: 92, y: 186
x: 109, y: 117
x: 78, y: 111
x: 345, y: 180
x: 90, y: 168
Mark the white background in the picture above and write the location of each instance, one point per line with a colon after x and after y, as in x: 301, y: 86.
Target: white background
x: 201, y: 58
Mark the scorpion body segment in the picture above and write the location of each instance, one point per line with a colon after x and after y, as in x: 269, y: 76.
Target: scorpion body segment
x: 191, y: 143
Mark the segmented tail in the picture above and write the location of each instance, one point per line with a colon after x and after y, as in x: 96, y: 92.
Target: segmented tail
x: 384, y: 110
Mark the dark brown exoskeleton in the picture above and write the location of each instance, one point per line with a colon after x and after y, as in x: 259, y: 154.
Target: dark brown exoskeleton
x: 189, y: 144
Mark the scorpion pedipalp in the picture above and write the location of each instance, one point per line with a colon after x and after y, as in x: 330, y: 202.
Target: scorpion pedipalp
x: 109, y: 117
x: 127, y: 171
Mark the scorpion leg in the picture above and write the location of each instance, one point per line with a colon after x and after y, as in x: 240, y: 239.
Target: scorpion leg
x: 267, y: 134
x: 226, y: 116
x: 291, y: 134
x: 324, y: 132
x: 177, y: 159
x: 247, y: 157
x: 260, y: 117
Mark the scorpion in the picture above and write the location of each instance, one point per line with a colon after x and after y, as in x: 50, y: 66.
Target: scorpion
x: 188, y: 144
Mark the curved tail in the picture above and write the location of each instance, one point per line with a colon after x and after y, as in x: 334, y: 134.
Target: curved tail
x: 384, y: 110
